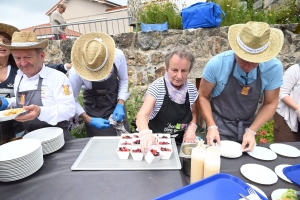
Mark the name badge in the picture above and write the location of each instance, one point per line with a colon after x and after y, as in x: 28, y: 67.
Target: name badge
x: 245, y: 91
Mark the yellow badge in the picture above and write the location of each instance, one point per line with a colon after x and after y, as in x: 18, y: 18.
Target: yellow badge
x: 245, y: 91
x: 22, y: 99
x: 66, y: 89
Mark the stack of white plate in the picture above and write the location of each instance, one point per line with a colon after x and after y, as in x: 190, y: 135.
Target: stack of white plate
x: 52, y: 138
x: 19, y: 159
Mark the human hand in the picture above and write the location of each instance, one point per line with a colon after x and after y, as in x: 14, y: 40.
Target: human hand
x: 248, y: 139
x: 147, y: 139
x: 68, y: 66
x: 190, y: 133
x: 118, y: 113
x: 213, y: 135
x: 33, y: 112
x: 99, y: 123
x: 4, y: 103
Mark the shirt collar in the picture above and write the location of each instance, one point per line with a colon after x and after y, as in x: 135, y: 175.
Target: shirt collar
x: 41, y: 74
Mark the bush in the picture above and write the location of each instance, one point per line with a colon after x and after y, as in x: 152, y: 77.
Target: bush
x: 158, y: 12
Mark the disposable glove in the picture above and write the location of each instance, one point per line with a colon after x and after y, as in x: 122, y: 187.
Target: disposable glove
x: 118, y: 113
x: 147, y: 139
x: 190, y: 133
x: 100, y: 123
x: 298, y: 114
x: 4, y: 103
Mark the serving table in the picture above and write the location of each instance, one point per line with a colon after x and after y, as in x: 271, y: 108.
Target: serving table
x: 56, y: 180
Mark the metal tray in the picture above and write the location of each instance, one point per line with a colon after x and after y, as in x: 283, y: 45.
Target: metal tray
x: 100, y: 154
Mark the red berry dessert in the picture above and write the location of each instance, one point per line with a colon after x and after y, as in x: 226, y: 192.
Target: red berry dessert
x: 136, y: 150
x: 126, y: 137
x: 154, y: 152
x: 165, y: 149
x: 126, y: 143
x: 164, y: 143
x: 136, y: 142
x: 123, y: 149
x: 135, y: 136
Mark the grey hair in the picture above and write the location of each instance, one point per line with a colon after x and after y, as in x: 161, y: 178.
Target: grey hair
x: 182, y: 52
x: 61, y: 5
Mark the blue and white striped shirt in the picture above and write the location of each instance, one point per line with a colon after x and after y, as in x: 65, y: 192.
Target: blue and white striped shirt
x: 157, y: 90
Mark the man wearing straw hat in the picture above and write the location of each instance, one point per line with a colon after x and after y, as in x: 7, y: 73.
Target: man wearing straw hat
x: 233, y: 82
x: 44, y: 92
x: 101, y: 70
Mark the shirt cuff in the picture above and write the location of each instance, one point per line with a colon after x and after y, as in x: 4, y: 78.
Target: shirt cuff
x: 44, y: 115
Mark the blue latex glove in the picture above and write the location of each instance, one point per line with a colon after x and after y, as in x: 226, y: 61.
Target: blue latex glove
x: 4, y: 104
x: 118, y: 113
x: 100, y: 123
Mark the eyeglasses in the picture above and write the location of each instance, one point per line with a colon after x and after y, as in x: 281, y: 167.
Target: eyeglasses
x: 5, y: 41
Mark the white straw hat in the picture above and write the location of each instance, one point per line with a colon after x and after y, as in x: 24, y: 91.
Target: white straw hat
x: 25, y: 40
x: 255, y: 41
x: 93, y: 55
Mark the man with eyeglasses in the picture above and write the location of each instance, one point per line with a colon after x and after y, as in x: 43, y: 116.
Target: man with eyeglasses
x: 56, y: 18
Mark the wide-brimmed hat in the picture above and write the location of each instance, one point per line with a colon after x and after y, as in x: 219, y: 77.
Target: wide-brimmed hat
x: 255, y: 41
x: 25, y: 40
x: 8, y: 29
x: 93, y: 55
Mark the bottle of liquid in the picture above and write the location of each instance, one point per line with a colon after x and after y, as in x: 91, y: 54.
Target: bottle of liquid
x: 197, y: 162
x: 212, y: 162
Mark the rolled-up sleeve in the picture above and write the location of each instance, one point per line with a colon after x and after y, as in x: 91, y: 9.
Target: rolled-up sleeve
x: 76, y: 83
x: 121, y: 64
x: 290, y: 79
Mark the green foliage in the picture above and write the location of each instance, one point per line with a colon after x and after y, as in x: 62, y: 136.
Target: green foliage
x: 236, y: 13
x: 266, y: 133
x: 133, y: 105
x: 288, y: 13
x: 77, y: 127
x: 158, y: 12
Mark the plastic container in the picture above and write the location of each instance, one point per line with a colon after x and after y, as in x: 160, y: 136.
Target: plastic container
x: 150, y: 158
x: 154, y: 27
x: 167, y: 150
x: 212, y: 162
x: 197, y: 162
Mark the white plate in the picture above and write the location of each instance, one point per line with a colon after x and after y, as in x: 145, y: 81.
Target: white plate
x: 257, y: 189
x: 230, y: 149
x: 18, y: 148
x: 45, y: 134
x: 263, y: 153
x: 279, y: 172
x: 10, y: 117
x: 285, y: 150
x: 259, y: 174
x: 276, y: 194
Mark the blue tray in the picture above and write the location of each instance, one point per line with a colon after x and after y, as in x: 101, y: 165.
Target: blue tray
x: 293, y: 173
x: 216, y: 187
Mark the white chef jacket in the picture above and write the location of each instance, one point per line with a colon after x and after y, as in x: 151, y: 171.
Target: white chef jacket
x: 58, y: 105
x: 77, y: 82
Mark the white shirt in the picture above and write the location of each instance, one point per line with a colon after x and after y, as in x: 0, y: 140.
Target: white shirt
x: 291, y: 87
x: 58, y: 105
x: 77, y: 82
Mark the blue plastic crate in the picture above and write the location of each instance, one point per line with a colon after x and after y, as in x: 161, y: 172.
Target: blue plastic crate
x: 154, y: 27
x: 216, y: 187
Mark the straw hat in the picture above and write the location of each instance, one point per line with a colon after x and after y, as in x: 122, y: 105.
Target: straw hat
x: 8, y: 29
x: 93, y: 55
x: 255, y: 41
x: 25, y: 40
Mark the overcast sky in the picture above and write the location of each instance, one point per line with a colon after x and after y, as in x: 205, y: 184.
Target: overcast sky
x: 27, y: 13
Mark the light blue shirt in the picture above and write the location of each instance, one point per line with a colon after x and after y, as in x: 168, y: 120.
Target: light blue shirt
x: 218, y: 69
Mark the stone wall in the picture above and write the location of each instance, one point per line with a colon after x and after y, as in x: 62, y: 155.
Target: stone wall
x: 145, y: 51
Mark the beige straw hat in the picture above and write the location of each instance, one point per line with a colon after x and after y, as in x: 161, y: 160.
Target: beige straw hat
x: 255, y: 41
x: 8, y: 29
x: 25, y: 40
x: 93, y: 55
